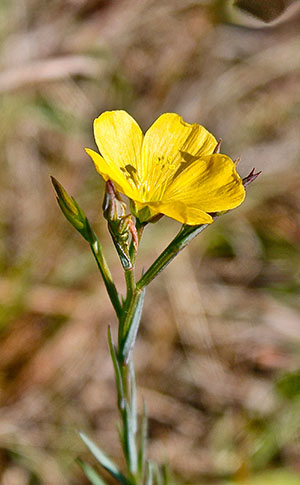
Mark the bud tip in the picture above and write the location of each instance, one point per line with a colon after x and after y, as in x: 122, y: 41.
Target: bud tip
x: 218, y: 146
x: 250, y: 178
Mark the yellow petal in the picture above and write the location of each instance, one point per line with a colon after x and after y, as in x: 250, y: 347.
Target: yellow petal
x: 169, y: 145
x: 110, y: 171
x: 119, y: 139
x: 199, y: 143
x: 211, y: 183
x: 184, y: 213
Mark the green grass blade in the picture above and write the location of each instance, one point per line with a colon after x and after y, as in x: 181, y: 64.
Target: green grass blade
x: 143, y: 443
x: 149, y: 478
x: 158, y: 479
x: 90, y: 473
x: 103, y: 459
x: 129, y: 440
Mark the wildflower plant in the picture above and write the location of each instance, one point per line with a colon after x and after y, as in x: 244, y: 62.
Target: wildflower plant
x: 175, y: 169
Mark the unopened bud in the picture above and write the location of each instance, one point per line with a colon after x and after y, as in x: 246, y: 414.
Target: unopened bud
x: 120, y: 225
x: 64, y: 197
x: 114, y: 208
x: 250, y: 178
x: 218, y: 147
x: 71, y: 209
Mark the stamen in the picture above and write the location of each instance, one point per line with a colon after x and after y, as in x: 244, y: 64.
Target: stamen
x: 130, y: 173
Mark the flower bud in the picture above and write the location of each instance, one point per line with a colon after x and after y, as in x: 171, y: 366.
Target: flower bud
x: 114, y: 208
x: 120, y: 225
x: 218, y: 146
x: 71, y: 210
x: 250, y: 178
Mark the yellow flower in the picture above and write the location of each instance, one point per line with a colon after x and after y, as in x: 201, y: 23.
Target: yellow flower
x: 170, y: 170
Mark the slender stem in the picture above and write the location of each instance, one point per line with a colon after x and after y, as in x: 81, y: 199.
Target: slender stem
x: 130, y: 283
x: 106, y: 275
x: 128, y: 414
x: 124, y: 378
x: 129, y: 318
x: 129, y: 418
x: 128, y: 326
x: 180, y: 241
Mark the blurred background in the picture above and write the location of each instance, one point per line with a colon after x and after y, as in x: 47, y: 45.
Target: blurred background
x: 218, y: 357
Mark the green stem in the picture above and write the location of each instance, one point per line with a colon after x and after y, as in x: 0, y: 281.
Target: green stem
x: 129, y: 319
x: 124, y: 379
x: 106, y: 275
x: 129, y: 418
x: 128, y: 327
x: 130, y: 283
x: 128, y: 414
x: 126, y: 392
x: 180, y: 241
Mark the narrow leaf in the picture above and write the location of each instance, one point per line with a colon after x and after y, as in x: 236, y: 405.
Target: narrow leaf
x: 157, y: 474
x: 90, y: 473
x: 129, y: 440
x: 149, y: 479
x: 130, y: 337
x: 133, y: 401
x: 180, y: 241
x: 143, y: 442
x: 114, y: 359
x: 103, y: 459
x: 166, y: 475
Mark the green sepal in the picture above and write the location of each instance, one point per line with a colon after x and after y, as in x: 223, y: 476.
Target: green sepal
x: 90, y: 473
x: 145, y: 214
x: 121, y: 247
x: 104, y: 460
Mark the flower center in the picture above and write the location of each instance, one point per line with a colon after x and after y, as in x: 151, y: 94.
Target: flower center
x: 156, y: 181
x: 130, y: 172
